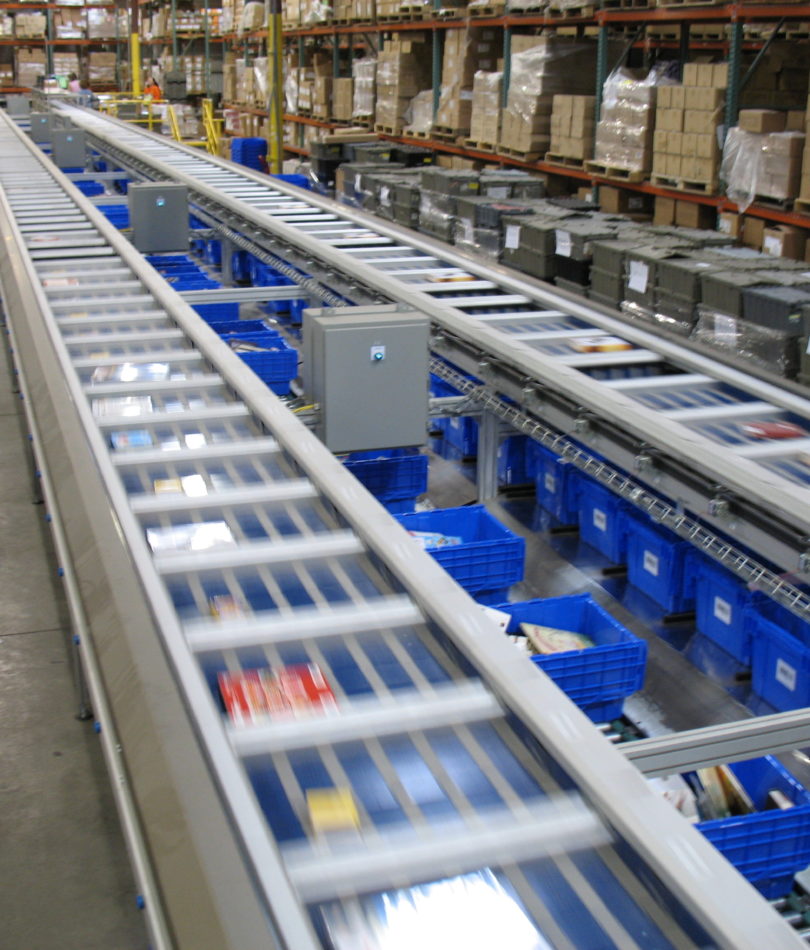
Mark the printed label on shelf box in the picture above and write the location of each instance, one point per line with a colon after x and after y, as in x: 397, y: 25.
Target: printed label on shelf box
x: 562, y: 243
x: 786, y: 675
x: 650, y: 563
x: 639, y: 275
x: 772, y: 245
x: 512, y: 238
x: 550, y: 483
x: 599, y: 519
x: 722, y: 610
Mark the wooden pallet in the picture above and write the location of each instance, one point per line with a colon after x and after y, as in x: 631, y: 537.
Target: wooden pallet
x: 688, y: 3
x: 613, y: 171
x: 531, y: 8
x: 570, y: 13
x: 802, y: 205
x: 625, y: 4
x: 487, y: 9
x: 443, y: 133
x: 566, y: 160
x: 480, y: 146
x: 518, y: 155
x: 416, y: 133
x: 685, y: 184
x: 702, y: 33
x: 388, y: 129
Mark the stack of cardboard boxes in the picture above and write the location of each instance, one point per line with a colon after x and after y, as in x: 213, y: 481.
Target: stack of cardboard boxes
x: 542, y: 67
x: 30, y: 65
x: 686, y: 151
x: 403, y: 70
x: 465, y: 51
x: 364, y: 77
x: 342, y: 99
x: 572, y: 127
x: 30, y: 25
x: 485, y: 113
x: 624, y: 132
x: 101, y: 68
x: 761, y: 158
x: 803, y: 202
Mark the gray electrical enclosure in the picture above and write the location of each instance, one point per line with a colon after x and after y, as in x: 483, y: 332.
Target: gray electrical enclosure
x: 18, y: 105
x: 68, y: 148
x: 42, y: 125
x: 367, y: 369
x: 158, y: 214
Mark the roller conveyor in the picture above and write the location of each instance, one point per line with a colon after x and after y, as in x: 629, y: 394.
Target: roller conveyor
x: 483, y: 313
x: 459, y: 753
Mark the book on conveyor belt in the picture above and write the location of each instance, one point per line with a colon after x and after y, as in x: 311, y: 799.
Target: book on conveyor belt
x: 476, y: 911
x: 289, y: 692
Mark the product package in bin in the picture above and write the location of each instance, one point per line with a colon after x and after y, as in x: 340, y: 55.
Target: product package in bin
x: 489, y: 557
x: 288, y: 692
x: 592, y: 657
x: 765, y: 833
x: 430, y: 540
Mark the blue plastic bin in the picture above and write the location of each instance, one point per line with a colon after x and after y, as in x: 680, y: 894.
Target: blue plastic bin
x: 391, y: 478
x: 514, y: 464
x: 721, y: 604
x: 601, y: 518
x: 459, y: 432
x: 780, y: 664
x: 240, y: 326
x: 300, y: 180
x: 490, y: 557
x: 657, y: 563
x: 781, y: 616
x: 276, y: 366
x: 600, y: 678
x: 555, y: 483
x: 768, y: 847
x: 213, y: 312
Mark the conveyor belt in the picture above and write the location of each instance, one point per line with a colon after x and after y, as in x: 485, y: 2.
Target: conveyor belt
x: 460, y: 754
x: 656, y: 396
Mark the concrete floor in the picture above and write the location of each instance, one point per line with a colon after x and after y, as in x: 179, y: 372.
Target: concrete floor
x: 66, y: 879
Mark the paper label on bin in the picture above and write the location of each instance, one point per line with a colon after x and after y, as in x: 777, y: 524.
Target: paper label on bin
x: 469, y: 237
x: 639, y: 275
x: 722, y: 610
x: 725, y: 329
x: 385, y: 195
x: 599, y: 519
x: 358, y: 183
x: 498, y: 191
x: 786, y: 674
x: 563, y: 243
x: 512, y: 237
x: 650, y: 563
x: 550, y: 483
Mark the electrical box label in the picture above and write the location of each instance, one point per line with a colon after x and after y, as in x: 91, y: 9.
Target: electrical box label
x: 651, y: 563
x: 722, y: 610
x: 599, y: 519
x: 639, y: 275
x: 550, y: 483
x: 563, y: 243
x: 512, y: 237
x: 786, y: 675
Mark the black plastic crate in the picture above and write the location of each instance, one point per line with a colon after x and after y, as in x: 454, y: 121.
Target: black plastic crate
x: 780, y: 308
x: 412, y: 155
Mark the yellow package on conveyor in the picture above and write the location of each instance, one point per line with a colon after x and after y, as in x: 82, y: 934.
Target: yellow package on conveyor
x: 332, y: 809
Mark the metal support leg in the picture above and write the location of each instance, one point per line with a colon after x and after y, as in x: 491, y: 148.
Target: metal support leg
x: 487, y: 468
x: 227, y: 262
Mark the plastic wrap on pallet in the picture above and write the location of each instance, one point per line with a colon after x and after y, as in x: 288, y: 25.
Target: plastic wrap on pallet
x: 625, y: 128
x: 290, y: 86
x: 419, y: 114
x: 555, y: 65
x: 252, y: 17
x: 485, y: 115
x: 654, y: 316
x: 486, y: 242
x: 767, y: 165
x: 314, y: 12
x: 772, y: 350
x: 364, y: 73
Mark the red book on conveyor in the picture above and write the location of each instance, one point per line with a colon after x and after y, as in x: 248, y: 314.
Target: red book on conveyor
x: 291, y: 691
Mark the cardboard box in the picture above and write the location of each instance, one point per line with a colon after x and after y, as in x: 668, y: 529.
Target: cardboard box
x: 621, y: 201
x: 342, y: 97
x: 704, y: 99
x: 729, y: 222
x: 664, y: 212
x: 761, y: 120
x: 782, y: 240
x: 690, y: 214
x: 753, y: 230
x: 669, y: 120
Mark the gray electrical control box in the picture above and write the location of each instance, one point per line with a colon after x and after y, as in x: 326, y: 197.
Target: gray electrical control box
x: 367, y: 369
x: 42, y: 125
x: 68, y: 148
x: 158, y: 215
x: 18, y: 105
